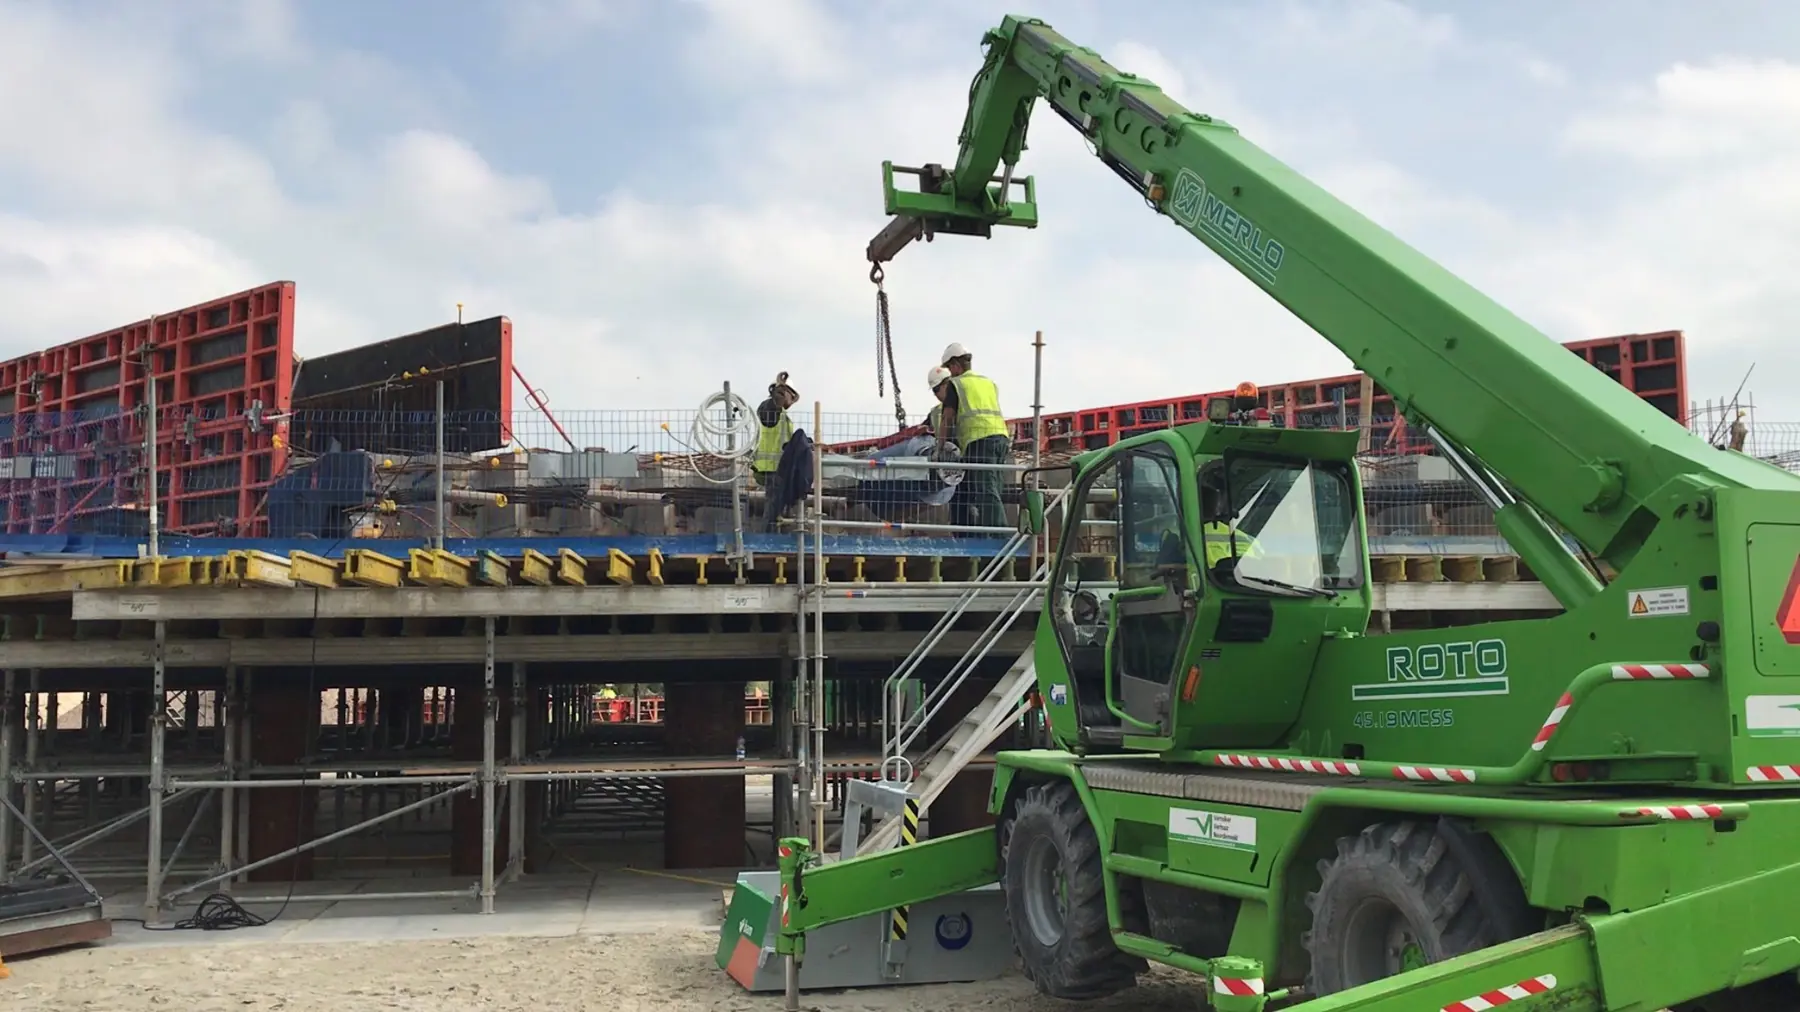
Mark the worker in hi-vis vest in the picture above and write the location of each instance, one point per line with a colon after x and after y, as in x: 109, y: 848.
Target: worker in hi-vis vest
x: 775, y: 428
x: 934, y: 419
x: 973, y: 418
x: 1216, y: 537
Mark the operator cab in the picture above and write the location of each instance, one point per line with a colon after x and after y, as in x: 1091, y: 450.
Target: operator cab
x: 1194, y: 559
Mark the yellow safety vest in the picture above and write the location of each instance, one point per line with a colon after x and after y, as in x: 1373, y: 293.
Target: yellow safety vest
x: 1217, y: 540
x: 936, y: 419
x: 769, y: 443
x: 977, y: 409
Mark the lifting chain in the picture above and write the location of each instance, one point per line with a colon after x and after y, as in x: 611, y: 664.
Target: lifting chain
x: 884, y: 346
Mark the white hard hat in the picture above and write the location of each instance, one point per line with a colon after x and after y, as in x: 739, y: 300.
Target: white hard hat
x: 937, y: 374
x: 954, y: 351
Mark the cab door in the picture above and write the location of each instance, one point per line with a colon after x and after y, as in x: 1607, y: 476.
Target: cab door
x: 1152, y: 611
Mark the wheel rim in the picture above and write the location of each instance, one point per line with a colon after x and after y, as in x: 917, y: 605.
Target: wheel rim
x: 1046, y: 892
x: 1380, y: 942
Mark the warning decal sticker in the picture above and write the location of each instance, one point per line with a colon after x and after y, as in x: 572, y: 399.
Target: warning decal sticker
x: 1787, y: 617
x: 1657, y: 602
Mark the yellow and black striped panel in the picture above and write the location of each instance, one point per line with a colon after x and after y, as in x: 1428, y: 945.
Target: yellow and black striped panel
x: 909, y: 835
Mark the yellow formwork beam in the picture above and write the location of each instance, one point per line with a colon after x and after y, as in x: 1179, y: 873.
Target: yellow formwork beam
x: 309, y: 570
x: 655, y: 575
x: 63, y: 579
x: 571, y: 568
x: 435, y: 567
x: 166, y: 572
x: 491, y: 570
x: 619, y: 567
x: 536, y: 568
x: 257, y: 569
x: 366, y: 567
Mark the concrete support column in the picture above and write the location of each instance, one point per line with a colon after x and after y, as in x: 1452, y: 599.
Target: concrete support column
x: 703, y: 817
x: 963, y: 804
x: 286, y: 717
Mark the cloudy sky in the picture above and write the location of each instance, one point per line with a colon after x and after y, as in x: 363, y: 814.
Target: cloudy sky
x: 663, y: 194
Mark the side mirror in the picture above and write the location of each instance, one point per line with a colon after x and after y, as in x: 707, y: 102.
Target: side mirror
x: 1033, y: 513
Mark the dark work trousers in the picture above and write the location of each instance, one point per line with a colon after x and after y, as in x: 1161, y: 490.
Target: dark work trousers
x: 977, y: 499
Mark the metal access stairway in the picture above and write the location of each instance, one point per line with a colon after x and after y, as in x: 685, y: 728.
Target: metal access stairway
x: 1000, y: 709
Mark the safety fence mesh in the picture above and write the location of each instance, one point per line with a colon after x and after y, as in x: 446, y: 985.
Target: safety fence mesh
x: 336, y: 474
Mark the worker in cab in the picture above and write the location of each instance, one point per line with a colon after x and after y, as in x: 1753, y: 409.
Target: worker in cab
x: 972, y: 417
x: 1218, y: 541
x: 774, y: 429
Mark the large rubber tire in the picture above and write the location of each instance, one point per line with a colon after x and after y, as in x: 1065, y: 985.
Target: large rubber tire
x: 1400, y: 895
x: 1056, y: 897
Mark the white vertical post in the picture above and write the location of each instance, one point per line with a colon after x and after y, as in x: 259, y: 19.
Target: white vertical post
x: 440, y: 467
x: 228, y: 729
x: 158, y: 703
x: 490, y: 710
x: 9, y: 717
x: 150, y: 440
x: 818, y: 637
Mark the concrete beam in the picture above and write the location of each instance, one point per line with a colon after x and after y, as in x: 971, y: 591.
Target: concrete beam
x: 377, y: 652
x: 473, y: 602
x: 206, y: 603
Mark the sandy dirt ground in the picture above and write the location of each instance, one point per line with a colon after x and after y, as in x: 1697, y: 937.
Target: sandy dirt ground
x: 668, y: 971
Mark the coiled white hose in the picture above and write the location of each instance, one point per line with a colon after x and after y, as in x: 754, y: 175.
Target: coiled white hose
x: 738, y: 430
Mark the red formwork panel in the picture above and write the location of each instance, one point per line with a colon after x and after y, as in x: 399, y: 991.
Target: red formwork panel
x: 72, y: 428
x: 1651, y: 365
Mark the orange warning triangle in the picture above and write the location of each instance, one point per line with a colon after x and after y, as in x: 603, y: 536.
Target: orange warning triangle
x: 1638, y: 607
x: 1787, y: 617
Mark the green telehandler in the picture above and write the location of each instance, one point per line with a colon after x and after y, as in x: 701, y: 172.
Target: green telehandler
x: 1594, y: 811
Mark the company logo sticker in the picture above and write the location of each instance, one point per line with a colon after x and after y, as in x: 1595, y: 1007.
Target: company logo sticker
x: 1212, y: 829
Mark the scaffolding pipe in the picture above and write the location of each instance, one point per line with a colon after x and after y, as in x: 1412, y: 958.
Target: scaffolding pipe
x: 321, y: 841
x: 29, y: 815
x: 59, y: 856
x: 332, y: 782
x: 1037, y: 437
x: 515, y: 799
x: 106, y: 830
x: 113, y: 773
x: 245, y: 730
x: 818, y: 687
x: 959, y: 673
x: 186, y: 834
x: 802, y: 701
x: 8, y: 714
x: 723, y: 771
x: 894, y: 683
x: 441, y: 520
x: 912, y: 464
x: 228, y: 795
x: 886, y: 526
x: 490, y: 710
x: 159, y: 703
x: 430, y: 894
x: 155, y: 522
